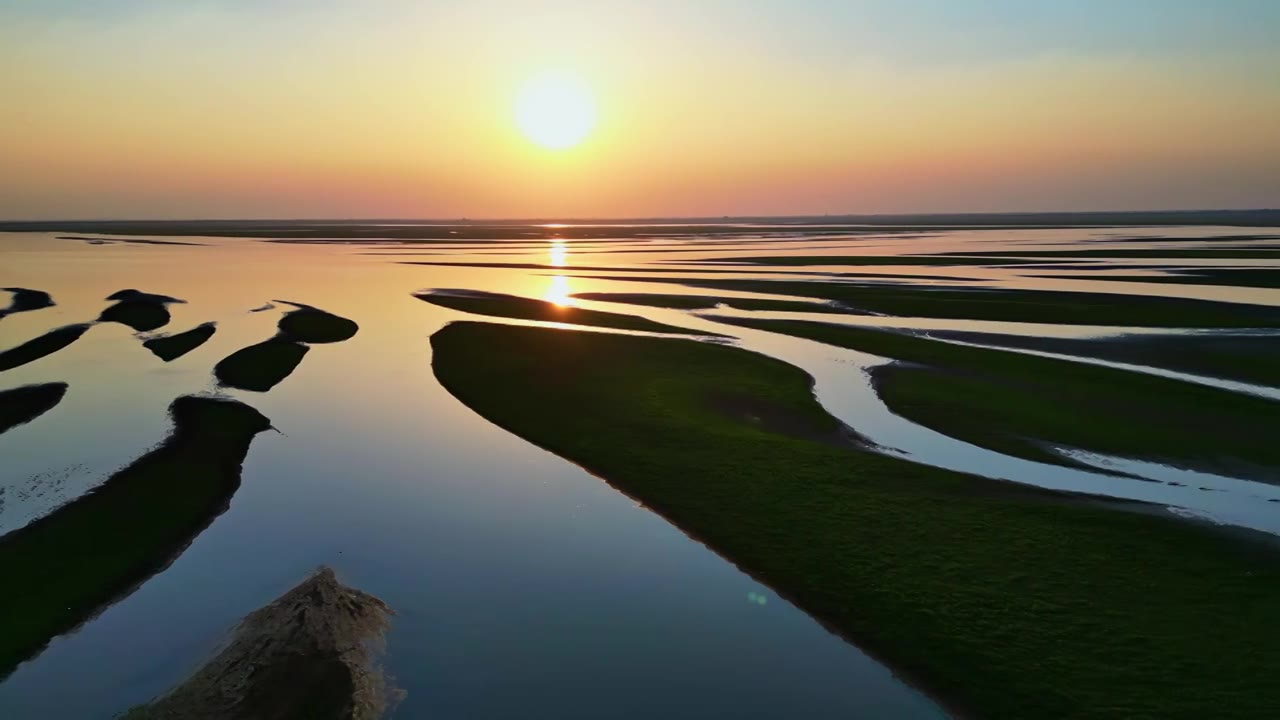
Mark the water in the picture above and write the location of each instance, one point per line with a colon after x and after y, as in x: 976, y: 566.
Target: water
x: 524, y: 586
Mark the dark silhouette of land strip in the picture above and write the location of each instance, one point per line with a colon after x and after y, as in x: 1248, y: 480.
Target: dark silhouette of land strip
x: 264, y: 365
x: 45, y: 345
x: 521, y: 308
x: 66, y: 567
x: 1011, y: 305
x: 138, y: 310
x: 26, y: 300
x: 20, y: 406
x: 517, y: 228
x: 132, y: 241
x: 172, y: 347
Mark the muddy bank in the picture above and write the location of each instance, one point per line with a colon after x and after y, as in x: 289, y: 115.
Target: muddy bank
x: 308, y: 654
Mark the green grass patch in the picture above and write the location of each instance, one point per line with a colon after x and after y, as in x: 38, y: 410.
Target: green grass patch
x: 511, y: 306
x: 1268, y: 278
x: 1005, y: 601
x: 262, y: 366
x: 1012, y: 402
x: 172, y: 347
x: 47, y: 344
x: 1040, y: 306
x: 20, y: 406
x: 705, y: 302
x: 805, y: 260
x: 1244, y: 358
x: 1216, y: 253
x: 64, y: 568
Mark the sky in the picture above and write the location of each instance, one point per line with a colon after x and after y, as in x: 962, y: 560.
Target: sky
x: 137, y: 109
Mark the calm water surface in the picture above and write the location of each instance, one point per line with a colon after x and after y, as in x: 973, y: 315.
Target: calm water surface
x: 523, y: 586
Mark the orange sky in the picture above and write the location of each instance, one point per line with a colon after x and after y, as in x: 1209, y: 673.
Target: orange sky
x: 384, y: 109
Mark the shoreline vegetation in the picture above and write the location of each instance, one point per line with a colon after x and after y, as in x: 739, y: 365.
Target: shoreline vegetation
x: 711, y: 302
x: 64, y: 568
x: 1015, y: 403
x: 1266, y: 278
x: 522, y: 308
x: 307, y: 654
x: 1246, y: 358
x: 1002, y: 600
x: 1038, y: 306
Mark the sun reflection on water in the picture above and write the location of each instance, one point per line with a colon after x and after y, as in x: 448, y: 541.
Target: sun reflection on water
x: 559, y: 253
x: 558, y: 291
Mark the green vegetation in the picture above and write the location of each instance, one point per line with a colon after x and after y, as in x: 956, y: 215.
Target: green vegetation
x: 47, y: 344
x: 262, y: 366
x: 1014, y: 403
x: 1041, y: 306
x: 309, y: 325
x: 25, y: 300
x: 1005, y: 601
x: 511, y: 306
x: 1217, y: 253
x: 706, y: 302
x: 1227, y: 277
x: 20, y: 406
x: 789, y: 260
x: 1244, y: 358
x: 172, y: 347
x: 67, y: 566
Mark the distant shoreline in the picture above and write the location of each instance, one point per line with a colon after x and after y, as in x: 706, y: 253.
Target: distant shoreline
x: 1245, y: 218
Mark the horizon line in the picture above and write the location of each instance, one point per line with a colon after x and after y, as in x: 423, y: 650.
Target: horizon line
x: 648, y: 219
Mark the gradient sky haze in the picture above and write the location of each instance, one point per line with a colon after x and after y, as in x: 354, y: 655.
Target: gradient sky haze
x: 319, y: 108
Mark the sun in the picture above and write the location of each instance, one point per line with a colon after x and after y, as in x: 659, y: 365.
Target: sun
x: 555, y: 110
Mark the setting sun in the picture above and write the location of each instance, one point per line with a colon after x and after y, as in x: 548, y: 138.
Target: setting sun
x: 555, y: 110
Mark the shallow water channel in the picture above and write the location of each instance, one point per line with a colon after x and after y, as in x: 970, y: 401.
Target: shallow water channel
x: 523, y: 586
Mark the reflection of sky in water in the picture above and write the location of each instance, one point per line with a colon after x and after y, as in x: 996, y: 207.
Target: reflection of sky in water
x: 524, y: 587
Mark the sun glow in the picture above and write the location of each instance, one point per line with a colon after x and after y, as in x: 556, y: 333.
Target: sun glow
x: 555, y: 110
x: 559, y: 254
x: 558, y: 292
